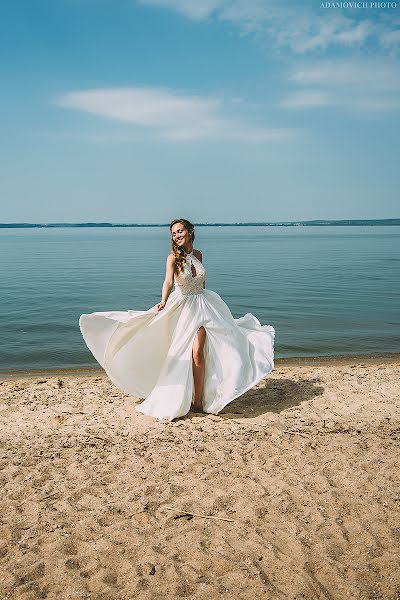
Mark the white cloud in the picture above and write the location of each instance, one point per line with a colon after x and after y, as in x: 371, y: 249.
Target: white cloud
x: 193, y: 9
x: 301, y: 27
x: 357, y: 85
x: 142, y: 106
x: 355, y: 34
x: 307, y: 33
x: 390, y: 38
x: 306, y: 99
x: 330, y: 33
x: 162, y: 114
x: 378, y: 75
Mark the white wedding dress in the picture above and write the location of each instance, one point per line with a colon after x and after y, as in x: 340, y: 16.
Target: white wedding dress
x: 149, y: 354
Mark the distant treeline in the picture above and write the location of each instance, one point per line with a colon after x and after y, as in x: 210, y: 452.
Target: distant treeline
x: 250, y: 224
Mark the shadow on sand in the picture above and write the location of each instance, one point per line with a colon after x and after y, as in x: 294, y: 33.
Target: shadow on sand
x: 273, y: 396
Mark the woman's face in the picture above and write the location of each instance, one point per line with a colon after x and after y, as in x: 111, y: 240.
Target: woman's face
x: 180, y: 235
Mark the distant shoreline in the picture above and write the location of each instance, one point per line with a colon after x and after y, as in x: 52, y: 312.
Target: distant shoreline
x: 314, y: 223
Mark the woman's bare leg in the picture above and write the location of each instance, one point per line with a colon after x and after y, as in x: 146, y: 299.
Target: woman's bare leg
x: 198, y: 366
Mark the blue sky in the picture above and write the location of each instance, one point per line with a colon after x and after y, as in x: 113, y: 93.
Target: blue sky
x: 214, y: 110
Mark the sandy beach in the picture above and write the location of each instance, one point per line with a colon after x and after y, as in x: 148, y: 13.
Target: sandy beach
x: 291, y: 492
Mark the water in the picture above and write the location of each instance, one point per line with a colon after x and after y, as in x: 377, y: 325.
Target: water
x: 327, y: 290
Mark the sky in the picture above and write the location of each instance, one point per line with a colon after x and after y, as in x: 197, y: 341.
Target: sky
x: 212, y: 110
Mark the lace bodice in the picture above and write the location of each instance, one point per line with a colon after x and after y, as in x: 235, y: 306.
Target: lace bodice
x: 185, y: 282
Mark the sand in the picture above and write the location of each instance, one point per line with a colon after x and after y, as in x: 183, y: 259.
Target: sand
x: 301, y: 472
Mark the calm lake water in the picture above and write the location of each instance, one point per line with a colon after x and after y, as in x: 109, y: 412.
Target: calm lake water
x: 327, y: 290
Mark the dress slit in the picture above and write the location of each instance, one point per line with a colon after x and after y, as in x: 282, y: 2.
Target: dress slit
x: 205, y: 354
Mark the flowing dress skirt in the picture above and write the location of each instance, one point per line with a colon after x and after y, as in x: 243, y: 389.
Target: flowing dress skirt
x: 149, y: 355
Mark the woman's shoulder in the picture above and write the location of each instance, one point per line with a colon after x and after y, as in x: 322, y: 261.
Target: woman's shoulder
x: 198, y: 254
x: 171, y: 259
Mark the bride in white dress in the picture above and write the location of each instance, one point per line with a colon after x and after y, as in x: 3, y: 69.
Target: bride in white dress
x: 187, y: 352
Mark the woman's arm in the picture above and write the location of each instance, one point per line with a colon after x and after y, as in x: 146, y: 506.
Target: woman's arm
x: 168, y: 282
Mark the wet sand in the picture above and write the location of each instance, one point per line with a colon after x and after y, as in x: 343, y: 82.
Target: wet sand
x: 300, y: 475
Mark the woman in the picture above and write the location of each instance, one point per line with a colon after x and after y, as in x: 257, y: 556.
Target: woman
x: 187, y: 351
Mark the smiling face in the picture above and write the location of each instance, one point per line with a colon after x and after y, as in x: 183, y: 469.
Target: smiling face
x: 180, y: 235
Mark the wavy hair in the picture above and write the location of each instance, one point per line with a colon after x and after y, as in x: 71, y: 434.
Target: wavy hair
x: 177, y: 251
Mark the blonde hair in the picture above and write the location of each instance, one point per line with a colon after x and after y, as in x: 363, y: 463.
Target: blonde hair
x: 177, y: 251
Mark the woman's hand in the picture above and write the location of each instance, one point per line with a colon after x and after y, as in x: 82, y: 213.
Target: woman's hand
x: 160, y: 306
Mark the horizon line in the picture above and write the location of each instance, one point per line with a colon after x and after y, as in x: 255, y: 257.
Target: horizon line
x: 22, y: 224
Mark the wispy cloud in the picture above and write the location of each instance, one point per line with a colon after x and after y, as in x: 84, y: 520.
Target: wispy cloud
x: 356, y: 85
x: 390, y: 38
x: 379, y: 75
x: 306, y: 99
x: 300, y: 27
x: 193, y: 9
x: 163, y: 114
x: 319, y: 34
